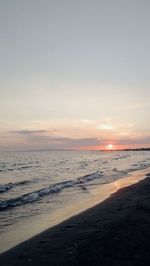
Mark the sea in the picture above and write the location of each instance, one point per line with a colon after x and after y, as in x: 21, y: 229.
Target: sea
x: 38, y: 184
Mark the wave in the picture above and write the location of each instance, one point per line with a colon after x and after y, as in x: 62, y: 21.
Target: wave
x: 140, y: 165
x: 36, y: 195
x: 15, y: 168
x: 5, y: 187
x: 122, y: 157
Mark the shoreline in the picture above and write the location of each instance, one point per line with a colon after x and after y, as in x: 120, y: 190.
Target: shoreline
x: 75, y: 224
x: 33, y: 227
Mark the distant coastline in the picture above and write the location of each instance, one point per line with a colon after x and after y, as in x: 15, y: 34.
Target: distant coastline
x: 135, y: 149
x: 113, y: 150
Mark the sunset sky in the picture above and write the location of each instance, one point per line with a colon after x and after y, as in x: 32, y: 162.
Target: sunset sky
x: 74, y: 74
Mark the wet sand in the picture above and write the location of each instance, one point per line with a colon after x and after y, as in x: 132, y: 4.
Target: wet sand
x: 115, y: 232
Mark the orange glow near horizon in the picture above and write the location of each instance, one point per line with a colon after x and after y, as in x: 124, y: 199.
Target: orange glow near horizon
x: 110, y: 147
x: 106, y: 147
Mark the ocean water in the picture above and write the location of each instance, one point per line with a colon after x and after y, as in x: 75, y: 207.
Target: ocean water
x: 36, y: 183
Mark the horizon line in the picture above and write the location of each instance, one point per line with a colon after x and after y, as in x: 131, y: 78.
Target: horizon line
x: 99, y: 150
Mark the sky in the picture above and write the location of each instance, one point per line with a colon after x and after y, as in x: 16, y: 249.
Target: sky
x: 74, y: 74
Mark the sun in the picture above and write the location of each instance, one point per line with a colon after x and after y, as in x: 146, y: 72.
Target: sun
x: 110, y: 147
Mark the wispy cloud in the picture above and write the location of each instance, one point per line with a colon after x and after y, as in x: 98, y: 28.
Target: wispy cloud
x: 26, y: 132
x: 106, y: 127
x: 64, y: 141
x: 88, y: 121
x: 135, y: 141
x: 46, y: 138
x: 76, y: 134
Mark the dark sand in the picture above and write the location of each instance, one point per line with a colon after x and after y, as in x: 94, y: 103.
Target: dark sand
x: 115, y: 232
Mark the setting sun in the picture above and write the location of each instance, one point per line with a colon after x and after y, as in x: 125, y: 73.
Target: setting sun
x: 110, y: 147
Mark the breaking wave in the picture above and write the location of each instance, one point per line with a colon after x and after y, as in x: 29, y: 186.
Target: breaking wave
x: 119, y: 157
x: 15, y: 168
x: 34, y: 196
x: 5, y: 187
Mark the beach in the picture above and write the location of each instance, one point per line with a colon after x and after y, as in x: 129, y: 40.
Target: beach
x: 41, y: 189
x: 74, y: 133
x: 114, y: 232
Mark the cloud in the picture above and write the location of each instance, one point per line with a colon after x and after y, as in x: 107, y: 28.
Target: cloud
x: 33, y: 132
x: 26, y: 132
x: 57, y: 139
x: 68, y: 142
x: 47, y: 139
x: 88, y: 121
x: 135, y: 141
x: 106, y: 127
x: 84, y: 141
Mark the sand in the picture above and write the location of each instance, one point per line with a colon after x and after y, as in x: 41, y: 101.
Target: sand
x: 115, y: 232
